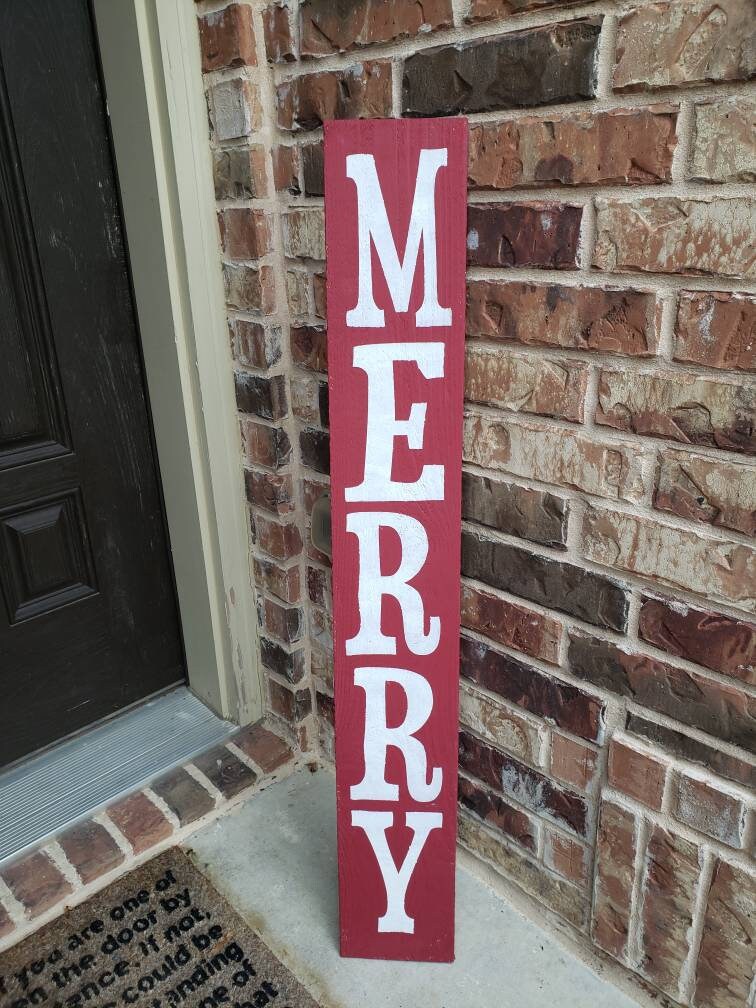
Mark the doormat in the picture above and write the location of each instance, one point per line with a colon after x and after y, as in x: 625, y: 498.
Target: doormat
x: 158, y: 938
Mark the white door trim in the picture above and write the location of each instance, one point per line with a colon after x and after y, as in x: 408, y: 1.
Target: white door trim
x: 152, y: 72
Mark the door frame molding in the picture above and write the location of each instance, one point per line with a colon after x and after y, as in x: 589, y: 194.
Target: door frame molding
x: 156, y: 104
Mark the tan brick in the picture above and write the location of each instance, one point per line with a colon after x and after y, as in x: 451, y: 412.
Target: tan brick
x: 326, y: 28
x: 627, y: 146
x: 671, y: 875
x: 227, y: 38
x: 498, y: 724
x: 564, y: 899
x: 708, y: 809
x: 717, y: 329
x: 724, y: 144
x: 511, y: 624
x: 636, y: 774
x: 248, y: 288
x: 615, y: 872
x: 253, y: 345
x: 707, y: 490
x: 298, y: 284
x: 717, y: 570
x: 575, y: 318
x: 554, y: 455
x: 526, y: 384
x: 239, y: 173
x: 513, y: 823
x: 683, y: 407
x: 362, y: 91
x: 670, y: 235
x: 661, y: 45
x: 573, y: 762
x: 234, y: 109
x: 304, y: 234
x: 724, y: 971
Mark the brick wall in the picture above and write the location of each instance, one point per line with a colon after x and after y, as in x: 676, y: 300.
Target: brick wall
x: 608, y: 694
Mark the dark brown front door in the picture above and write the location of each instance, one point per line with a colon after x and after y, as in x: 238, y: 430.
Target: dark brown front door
x: 88, y: 619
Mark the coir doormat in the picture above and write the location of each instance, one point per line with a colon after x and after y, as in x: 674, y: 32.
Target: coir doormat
x: 160, y: 937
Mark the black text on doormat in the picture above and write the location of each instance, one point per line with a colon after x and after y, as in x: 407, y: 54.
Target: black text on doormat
x: 158, y: 938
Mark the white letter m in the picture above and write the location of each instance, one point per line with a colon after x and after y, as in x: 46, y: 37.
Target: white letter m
x: 373, y: 223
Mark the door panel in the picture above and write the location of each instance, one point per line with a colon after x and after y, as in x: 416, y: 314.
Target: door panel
x: 88, y: 620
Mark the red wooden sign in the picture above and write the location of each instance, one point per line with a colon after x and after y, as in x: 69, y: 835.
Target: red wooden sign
x: 395, y: 231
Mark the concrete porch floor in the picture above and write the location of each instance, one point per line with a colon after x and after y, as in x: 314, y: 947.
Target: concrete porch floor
x: 274, y: 859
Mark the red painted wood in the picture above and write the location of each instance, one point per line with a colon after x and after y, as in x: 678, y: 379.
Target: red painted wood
x: 396, y: 147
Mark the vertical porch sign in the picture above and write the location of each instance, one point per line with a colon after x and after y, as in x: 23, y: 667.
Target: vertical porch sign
x: 395, y: 233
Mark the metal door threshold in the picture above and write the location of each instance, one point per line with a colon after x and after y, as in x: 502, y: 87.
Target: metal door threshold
x: 46, y: 792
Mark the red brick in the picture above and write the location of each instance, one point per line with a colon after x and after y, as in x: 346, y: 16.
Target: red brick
x: 574, y: 318
x: 252, y: 345
x: 309, y: 347
x: 525, y: 383
x: 245, y: 233
x: 636, y: 774
x: 716, y: 329
x: 326, y: 28
x: 283, y: 582
x: 313, y: 169
x: 227, y: 38
x: 268, y: 446
x: 291, y: 705
x: 362, y: 91
x: 622, y: 147
x: 271, y: 491
x: 725, y: 962
x: 573, y: 762
x: 286, y: 169
x: 325, y: 705
x: 492, y: 809
x: 279, y: 41
x: 566, y: 857
x: 719, y: 570
x: 280, y: 621
x: 263, y: 396
x: 541, y: 235
x: 708, y: 809
x: 280, y: 540
x: 559, y: 702
x: 719, y: 642
x: 697, y: 701
x: 615, y: 872
x: 35, y: 882
x: 140, y: 821
x: 707, y: 490
x: 184, y: 796
x: 511, y: 624
x: 265, y: 749
x: 490, y: 10
x: 527, y: 786
x: 673, y: 235
x: 671, y: 876
x: 91, y: 850
x: 661, y: 45
x: 226, y: 771
x: 289, y: 664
